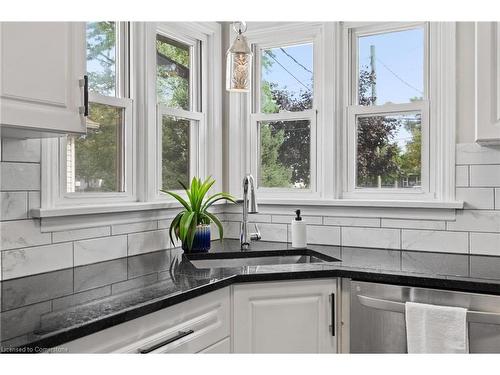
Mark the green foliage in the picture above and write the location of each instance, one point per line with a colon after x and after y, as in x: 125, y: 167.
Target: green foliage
x: 272, y: 172
x: 195, y: 211
x: 175, y: 153
x: 96, y: 153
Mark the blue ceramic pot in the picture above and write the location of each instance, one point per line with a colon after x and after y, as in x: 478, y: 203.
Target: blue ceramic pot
x: 201, y: 241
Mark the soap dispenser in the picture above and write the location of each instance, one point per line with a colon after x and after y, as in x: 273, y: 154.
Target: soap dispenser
x: 299, y: 233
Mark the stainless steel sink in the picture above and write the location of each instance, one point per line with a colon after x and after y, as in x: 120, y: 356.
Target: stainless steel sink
x: 257, y: 258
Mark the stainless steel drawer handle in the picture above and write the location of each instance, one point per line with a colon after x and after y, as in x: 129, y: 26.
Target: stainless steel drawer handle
x: 395, y: 306
x: 179, y: 336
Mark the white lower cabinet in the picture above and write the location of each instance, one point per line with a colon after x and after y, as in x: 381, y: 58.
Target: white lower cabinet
x: 202, y: 323
x: 285, y: 317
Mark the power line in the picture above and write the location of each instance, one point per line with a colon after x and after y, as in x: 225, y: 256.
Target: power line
x: 398, y: 77
x: 286, y: 70
x: 295, y: 60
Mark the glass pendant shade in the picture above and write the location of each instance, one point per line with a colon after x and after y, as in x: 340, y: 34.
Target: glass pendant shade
x: 239, y: 65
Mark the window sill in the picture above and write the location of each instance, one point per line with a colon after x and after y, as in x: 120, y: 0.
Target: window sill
x: 365, y: 203
x: 387, y: 209
x: 102, y: 209
x: 80, y: 217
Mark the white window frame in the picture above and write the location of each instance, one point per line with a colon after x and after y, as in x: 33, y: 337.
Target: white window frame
x: 54, y: 151
x: 283, y: 37
x: 437, y: 109
x: 354, y: 110
x: 198, y: 81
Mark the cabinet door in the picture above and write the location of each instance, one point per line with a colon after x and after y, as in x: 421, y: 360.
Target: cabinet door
x: 41, y: 64
x: 285, y: 317
x: 488, y: 83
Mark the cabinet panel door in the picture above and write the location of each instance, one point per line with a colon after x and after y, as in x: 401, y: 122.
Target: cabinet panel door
x: 41, y: 64
x: 284, y: 317
x: 488, y: 83
x: 222, y: 347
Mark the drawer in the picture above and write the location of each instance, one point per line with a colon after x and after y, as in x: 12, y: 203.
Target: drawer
x: 188, y: 327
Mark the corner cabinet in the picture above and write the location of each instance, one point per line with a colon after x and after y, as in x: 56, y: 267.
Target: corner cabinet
x: 42, y: 65
x: 488, y: 83
x: 285, y: 317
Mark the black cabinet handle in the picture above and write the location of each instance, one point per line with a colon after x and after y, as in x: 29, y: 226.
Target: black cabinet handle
x: 86, y: 95
x: 179, y: 336
x: 332, y: 296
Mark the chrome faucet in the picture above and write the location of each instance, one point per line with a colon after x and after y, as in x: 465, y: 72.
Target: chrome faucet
x: 249, y: 207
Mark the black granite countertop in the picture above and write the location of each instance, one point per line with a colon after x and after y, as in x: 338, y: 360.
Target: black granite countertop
x: 49, y: 309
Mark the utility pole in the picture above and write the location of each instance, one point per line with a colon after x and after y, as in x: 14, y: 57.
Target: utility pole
x: 373, y: 74
x: 373, y: 84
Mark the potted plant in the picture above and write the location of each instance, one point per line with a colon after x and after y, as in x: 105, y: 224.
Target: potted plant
x: 192, y: 225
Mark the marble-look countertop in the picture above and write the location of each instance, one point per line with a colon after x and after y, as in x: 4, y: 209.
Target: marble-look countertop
x: 47, y: 310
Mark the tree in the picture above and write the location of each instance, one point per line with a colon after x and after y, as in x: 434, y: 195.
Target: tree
x: 376, y: 151
x: 97, y: 159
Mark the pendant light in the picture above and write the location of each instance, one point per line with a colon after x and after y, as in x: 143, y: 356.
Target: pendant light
x: 239, y: 61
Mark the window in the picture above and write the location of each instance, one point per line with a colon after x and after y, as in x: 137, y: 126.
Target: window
x: 98, y: 162
x: 178, y: 89
x: 388, y: 124
x: 284, y: 120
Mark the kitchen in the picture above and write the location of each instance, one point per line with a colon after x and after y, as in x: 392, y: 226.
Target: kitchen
x: 250, y: 187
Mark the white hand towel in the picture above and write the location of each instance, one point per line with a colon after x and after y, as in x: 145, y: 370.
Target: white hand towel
x: 436, y: 329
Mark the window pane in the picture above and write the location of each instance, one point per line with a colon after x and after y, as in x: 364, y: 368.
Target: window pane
x: 101, y: 57
x: 172, y: 73
x: 389, y: 151
x: 285, y: 151
x: 94, y: 162
x: 175, y: 152
x: 287, y: 78
x: 391, y: 67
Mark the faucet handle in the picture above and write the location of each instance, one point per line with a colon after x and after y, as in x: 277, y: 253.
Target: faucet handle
x: 256, y: 236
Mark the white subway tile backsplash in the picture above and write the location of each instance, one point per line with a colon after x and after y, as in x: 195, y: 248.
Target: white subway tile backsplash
x: 476, y: 221
x: 144, y: 242
x: 135, y: 227
x: 80, y: 234
x: 19, y: 176
x: 414, y: 224
x: 485, y: 243
x: 26, y: 150
x: 13, y: 205
x: 462, y: 176
x: 287, y: 219
x: 322, y: 235
x: 497, y: 199
x: 371, y: 237
x: 22, y: 233
x: 231, y: 229
x: 485, y: 175
x: 100, y: 249
x: 33, y: 200
x: 254, y: 218
x: 33, y: 260
x: 441, y: 241
x: 477, y: 198
x: 272, y: 232
x: 164, y: 223
x: 352, y: 221
x: 472, y: 153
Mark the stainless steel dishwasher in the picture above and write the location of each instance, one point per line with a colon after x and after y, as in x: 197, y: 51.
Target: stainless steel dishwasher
x: 376, y: 321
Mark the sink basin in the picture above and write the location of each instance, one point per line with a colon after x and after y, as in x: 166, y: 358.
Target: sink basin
x: 257, y: 258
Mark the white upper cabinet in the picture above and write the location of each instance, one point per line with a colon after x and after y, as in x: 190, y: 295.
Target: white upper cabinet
x: 488, y: 83
x: 41, y: 66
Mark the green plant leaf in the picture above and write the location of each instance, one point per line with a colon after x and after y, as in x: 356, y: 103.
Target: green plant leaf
x: 217, y: 197
x: 187, y: 218
x: 174, y: 226
x: 179, y: 198
x: 217, y: 222
x: 192, y: 231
